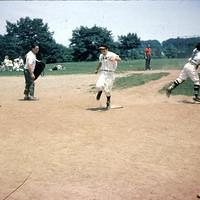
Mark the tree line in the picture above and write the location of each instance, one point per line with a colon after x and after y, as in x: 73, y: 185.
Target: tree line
x: 84, y: 43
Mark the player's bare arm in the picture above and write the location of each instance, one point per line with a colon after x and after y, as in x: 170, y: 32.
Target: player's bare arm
x: 30, y: 66
x: 115, y: 58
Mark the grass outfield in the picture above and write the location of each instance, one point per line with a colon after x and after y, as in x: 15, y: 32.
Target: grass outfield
x: 136, y: 80
x: 131, y: 65
x: 165, y: 64
x: 89, y: 67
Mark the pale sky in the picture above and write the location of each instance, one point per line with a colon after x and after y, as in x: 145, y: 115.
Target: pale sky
x: 159, y: 20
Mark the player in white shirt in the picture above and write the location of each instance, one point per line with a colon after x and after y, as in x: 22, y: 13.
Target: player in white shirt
x: 106, y: 68
x: 28, y: 72
x: 18, y: 64
x: 8, y: 64
x: 190, y: 70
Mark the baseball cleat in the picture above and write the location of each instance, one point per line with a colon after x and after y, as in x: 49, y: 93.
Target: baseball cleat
x: 26, y: 97
x: 196, y: 99
x: 168, y: 92
x: 31, y: 98
x: 98, y: 95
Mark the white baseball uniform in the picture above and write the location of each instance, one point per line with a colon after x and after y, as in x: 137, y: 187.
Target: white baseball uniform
x: 107, y: 69
x: 30, y: 60
x: 190, y: 69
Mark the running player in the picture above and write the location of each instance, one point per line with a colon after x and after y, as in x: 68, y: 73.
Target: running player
x: 106, y: 68
x: 190, y: 70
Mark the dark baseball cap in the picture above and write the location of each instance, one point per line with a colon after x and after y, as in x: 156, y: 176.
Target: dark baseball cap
x: 103, y: 46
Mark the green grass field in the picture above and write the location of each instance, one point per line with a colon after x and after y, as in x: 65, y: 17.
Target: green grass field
x: 89, y: 67
x: 136, y: 65
x: 136, y: 80
x: 164, y: 64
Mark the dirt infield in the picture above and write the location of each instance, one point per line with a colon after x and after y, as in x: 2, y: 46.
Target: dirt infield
x: 148, y: 150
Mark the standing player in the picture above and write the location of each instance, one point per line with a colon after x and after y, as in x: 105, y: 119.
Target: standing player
x: 189, y: 71
x: 106, y: 67
x: 29, y: 72
x: 147, y: 54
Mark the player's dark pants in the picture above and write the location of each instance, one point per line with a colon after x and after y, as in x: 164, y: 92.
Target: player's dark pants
x: 148, y: 62
x: 29, y: 84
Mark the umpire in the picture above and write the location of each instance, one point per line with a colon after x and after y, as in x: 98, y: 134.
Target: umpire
x: 29, y: 72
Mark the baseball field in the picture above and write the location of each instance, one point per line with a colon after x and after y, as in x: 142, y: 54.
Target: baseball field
x: 65, y: 147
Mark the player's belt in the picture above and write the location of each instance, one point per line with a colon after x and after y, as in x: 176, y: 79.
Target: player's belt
x: 105, y: 70
x: 193, y: 63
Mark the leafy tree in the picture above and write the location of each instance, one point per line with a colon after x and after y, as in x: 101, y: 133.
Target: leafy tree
x: 181, y: 47
x: 170, y: 51
x: 59, y: 53
x: 27, y: 31
x: 85, y: 42
x: 128, y: 42
x: 20, y: 35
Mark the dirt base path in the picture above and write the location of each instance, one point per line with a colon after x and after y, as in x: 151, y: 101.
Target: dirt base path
x: 149, y: 150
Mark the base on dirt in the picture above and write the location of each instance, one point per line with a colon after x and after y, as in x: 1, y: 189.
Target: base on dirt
x: 104, y: 108
x: 116, y: 106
